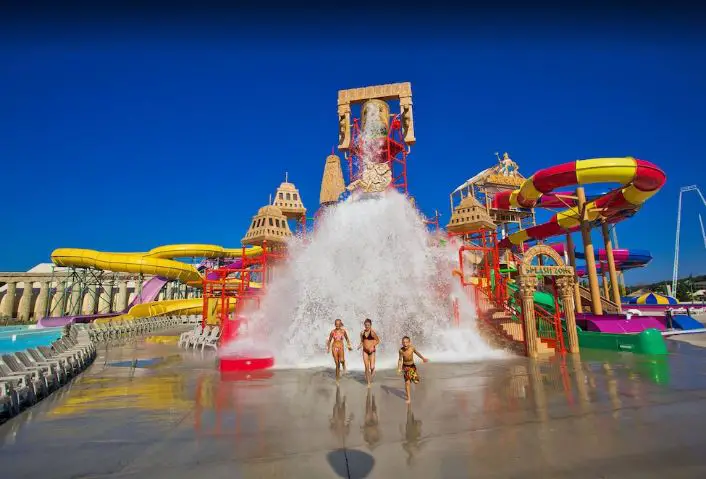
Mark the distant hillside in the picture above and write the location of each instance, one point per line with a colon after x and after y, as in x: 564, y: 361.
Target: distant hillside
x: 685, y: 287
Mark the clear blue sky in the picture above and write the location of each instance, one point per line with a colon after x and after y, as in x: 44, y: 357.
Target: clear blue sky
x: 121, y: 140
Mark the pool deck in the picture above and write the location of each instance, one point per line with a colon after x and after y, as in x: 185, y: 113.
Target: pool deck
x: 604, y: 416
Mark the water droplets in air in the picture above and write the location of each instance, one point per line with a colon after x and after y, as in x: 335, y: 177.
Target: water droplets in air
x: 368, y: 258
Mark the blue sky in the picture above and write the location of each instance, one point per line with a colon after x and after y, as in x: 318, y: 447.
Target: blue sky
x: 123, y: 141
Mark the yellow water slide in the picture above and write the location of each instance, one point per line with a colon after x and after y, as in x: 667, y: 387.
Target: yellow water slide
x: 159, y: 262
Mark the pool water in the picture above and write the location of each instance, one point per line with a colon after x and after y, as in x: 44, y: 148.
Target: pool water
x: 19, y: 338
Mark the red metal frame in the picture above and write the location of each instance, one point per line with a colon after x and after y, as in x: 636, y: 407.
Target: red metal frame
x: 394, y: 152
x: 487, y: 297
x: 239, y: 293
x: 484, y: 242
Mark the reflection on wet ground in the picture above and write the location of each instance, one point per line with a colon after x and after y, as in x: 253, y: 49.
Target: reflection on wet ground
x: 150, y: 410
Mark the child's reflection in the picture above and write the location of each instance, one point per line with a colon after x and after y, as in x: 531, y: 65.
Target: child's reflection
x: 371, y: 431
x: 340, y: 424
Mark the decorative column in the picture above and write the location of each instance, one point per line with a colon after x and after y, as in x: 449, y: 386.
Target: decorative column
x: 604, y: 282
x: 590, y: 254
x: 105, y: 297
x: 170, y: 290
x: 24, y: 309
x: 566, y: 292
x: 121, y: 300
x: 40, y: 307
x: 528, y: 285
x: 89, y: 302
x: 74, y: 306
x: 572, y: 262
x: 611, y: 266
x: 58, y: 301
x: 7, y: 308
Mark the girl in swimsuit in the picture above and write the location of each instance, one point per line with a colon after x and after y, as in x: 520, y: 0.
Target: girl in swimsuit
x: 335, y: 345
x: 369, y: 340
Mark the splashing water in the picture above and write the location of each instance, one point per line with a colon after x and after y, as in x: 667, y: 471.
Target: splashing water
x: 368, y: 258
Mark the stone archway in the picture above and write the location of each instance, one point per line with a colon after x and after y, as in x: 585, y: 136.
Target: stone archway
x: 565, y: 277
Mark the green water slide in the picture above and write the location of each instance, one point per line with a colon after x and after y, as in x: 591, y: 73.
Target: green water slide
x: 545, y: 300
x: 649, y: 342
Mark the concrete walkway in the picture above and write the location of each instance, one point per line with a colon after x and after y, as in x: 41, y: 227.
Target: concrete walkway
x: 148, y: 410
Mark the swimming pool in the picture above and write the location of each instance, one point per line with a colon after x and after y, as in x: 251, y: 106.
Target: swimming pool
x: 19, y: 338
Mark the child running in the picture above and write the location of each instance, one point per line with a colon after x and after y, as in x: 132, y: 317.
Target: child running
x: 335, y: 345
x: 406, y: 365
x: 369, y: 340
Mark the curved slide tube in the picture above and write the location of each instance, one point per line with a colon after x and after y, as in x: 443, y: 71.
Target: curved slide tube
x: 639, y: 181
x: 614, y: 323
x: 625, y: 259
x: 545, y: 300
x: 157, y: 261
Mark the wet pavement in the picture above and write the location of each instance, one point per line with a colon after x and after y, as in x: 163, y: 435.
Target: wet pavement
x: 151, y: 410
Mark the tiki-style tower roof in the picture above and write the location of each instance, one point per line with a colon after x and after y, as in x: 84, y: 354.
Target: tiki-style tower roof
x: 332, y: 184
x: 269, y: 224
x: 289, y: 201
x: 469, y: 215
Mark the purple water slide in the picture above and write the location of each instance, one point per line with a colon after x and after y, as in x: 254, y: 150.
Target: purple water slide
x: 236, y: 264
x: 149, y: 292
x: 64, y: 320
x: 618, y: 323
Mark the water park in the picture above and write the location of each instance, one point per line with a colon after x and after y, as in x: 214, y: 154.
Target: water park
x: 512, y: 281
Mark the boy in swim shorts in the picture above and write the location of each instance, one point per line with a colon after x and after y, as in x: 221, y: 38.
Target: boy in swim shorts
x: 406, y: 365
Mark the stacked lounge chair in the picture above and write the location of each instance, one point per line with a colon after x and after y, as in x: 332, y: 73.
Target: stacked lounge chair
x: 129, y: 328
x: 203, y: 337
x: 31, y: 375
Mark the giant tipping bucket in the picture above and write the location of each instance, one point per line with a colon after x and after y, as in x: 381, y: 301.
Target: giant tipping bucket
x: 244, y: 361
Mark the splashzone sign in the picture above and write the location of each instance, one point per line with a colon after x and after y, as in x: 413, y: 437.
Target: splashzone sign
x: 549, y: 270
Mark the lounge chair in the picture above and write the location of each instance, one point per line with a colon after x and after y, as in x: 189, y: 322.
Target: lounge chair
x: 72, y: 359
x: 100, y: 332
x: 9, y: 400
x: 75, y: 341
x: 215, y: 332
x: 63, y: 363
x: 194, y: 340
x: 60, y: 374
x: 212, y: 340
x: 184, y: 338
x: 66, y: 345
x: 45, y: 373
x: 27, y: 386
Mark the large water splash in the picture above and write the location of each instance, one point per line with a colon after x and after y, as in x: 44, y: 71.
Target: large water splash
x: 368, y: 258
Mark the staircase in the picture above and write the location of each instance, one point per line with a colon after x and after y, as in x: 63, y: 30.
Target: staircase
x: 499, y: 319
x: 608, y: 306
x: 502, y: 330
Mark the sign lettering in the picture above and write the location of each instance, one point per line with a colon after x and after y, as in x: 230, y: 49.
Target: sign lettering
x: 549, y: 270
